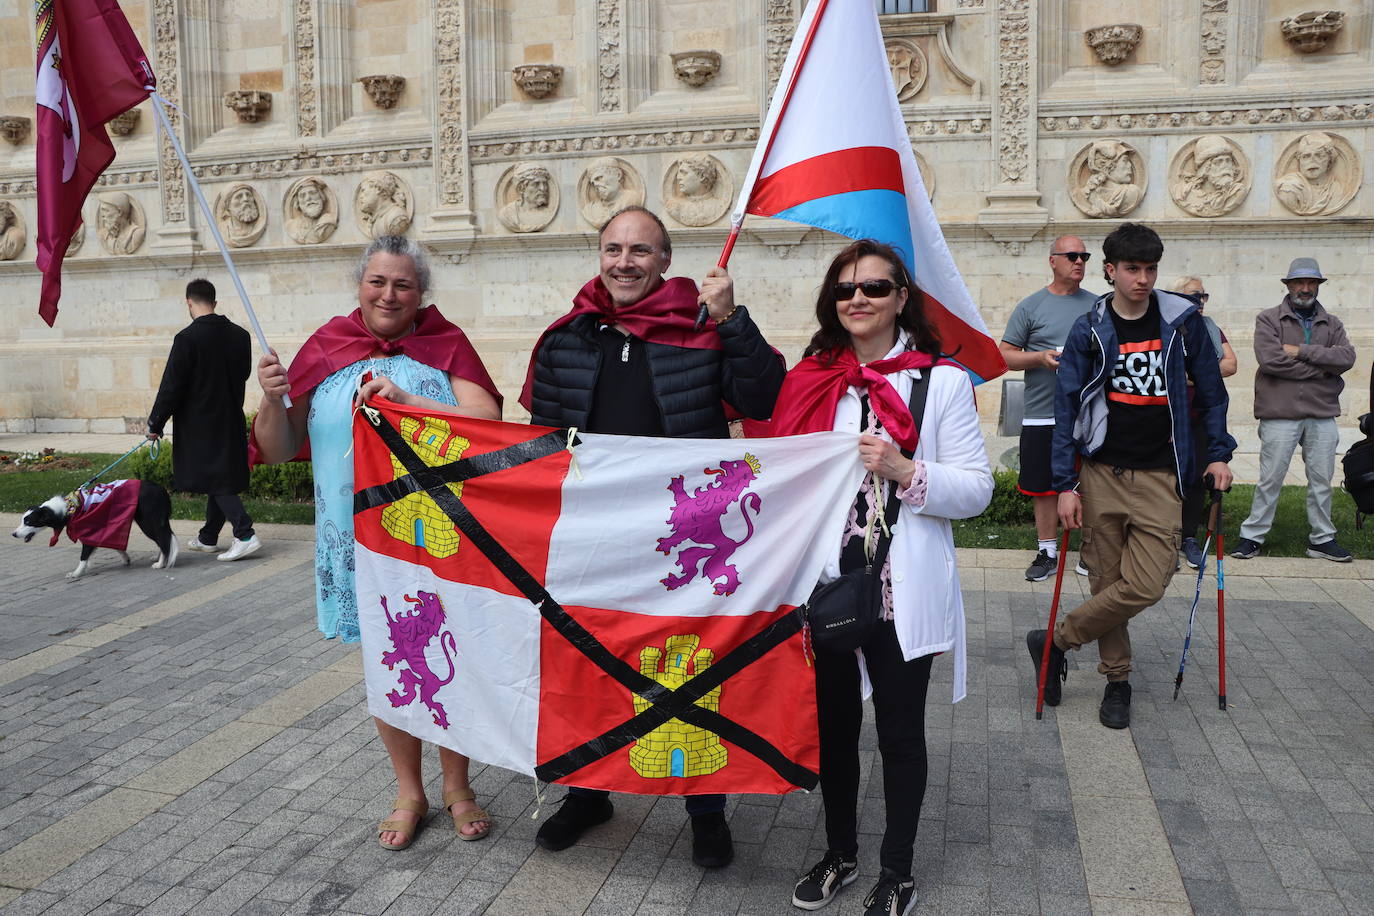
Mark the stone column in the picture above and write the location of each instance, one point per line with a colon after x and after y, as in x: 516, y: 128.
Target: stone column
x: 178, y: 228
x: 1014, y: 215
x: 453, y: 213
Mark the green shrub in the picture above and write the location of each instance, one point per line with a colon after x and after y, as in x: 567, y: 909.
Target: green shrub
x: 1009, y: 505
x: 141, y: 465
x: 290, y: 482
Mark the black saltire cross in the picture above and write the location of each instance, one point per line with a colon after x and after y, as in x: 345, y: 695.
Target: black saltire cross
x: 665, y: 703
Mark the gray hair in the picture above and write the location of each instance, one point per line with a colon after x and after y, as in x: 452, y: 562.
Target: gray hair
x: 1182, y: 282
x: 400, y: 246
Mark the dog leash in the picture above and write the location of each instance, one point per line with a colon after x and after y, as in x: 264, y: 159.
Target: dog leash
x: 153, y: 451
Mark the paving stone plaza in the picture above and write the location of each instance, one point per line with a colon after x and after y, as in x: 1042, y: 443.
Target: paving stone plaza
x: 182, y: 741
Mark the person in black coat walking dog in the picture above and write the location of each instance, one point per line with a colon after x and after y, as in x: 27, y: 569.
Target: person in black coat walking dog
x: 202, y: 390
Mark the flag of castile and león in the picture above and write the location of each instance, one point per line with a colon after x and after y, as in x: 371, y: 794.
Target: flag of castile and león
x: 605, y: 611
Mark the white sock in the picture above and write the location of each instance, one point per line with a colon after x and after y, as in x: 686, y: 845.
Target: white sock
x: 1051, y: 548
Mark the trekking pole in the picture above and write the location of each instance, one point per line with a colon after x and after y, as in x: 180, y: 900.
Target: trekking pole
x: 1213, y: 515
x: 1221, y: 610
x: 1049, y: 631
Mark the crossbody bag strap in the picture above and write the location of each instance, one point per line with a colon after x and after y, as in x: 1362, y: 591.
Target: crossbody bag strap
x: 917, y: 403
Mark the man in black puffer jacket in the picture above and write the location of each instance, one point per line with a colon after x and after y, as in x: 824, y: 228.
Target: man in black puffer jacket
x: 628, y: 360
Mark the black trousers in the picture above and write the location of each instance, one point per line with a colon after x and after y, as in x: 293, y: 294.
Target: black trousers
x: 899, y: 706
x: 218, y: 508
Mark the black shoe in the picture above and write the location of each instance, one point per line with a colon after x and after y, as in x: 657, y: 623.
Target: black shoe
x: 824, y: 880
x: 1329, y: 550
x: 1115, y: 711
x: 1246, y: 549
x: 574, y: 817
x: 711, y: 843
x: 1041, y: 567
x: 893, y: 895
x: 1059, y: 666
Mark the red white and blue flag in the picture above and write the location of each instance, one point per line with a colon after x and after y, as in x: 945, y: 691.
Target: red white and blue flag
x: 90, y: 69
x: 834, y: 153
x: 619, y: 615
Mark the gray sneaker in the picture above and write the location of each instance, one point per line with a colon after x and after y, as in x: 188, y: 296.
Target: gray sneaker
x: 1329, y: 550
x: 1247, y: 549
x: 1041, y: 567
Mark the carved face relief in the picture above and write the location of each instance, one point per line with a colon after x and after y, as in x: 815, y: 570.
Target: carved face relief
x: 526, y: 198
x: 1209, y: 177
x: 311, y: 211
x: 239, y: 211
x: 1107, y: 179
x: 697, y: 190
x: 120, y: 223
x: 907, y: 62
x: 383, y: 205
x: 1317, y: 174
x: 608, y: 185
x: 242, y: 206
x: 13, y: 236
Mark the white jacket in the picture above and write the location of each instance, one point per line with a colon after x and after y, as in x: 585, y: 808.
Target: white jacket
x: 927, y: 606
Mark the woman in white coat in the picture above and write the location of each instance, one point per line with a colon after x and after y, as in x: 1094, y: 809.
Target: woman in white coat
x: 873, y: 342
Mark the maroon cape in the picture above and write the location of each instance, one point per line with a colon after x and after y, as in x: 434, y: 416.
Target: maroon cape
x: 812, y: 391
x: 103, y: 514
x: 668, y: 315
x: 436, y: 342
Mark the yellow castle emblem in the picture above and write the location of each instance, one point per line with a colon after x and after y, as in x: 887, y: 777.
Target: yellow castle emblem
x: 676, y: 748
x: 416, y: 518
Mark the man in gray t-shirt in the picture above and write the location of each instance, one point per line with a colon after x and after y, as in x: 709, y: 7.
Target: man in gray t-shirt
x: 1038, y: 328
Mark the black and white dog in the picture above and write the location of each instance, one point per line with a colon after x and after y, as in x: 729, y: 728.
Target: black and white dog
x: 152, y: 513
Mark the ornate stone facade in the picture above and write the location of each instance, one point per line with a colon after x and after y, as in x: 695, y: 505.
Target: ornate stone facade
x: 1241, y: 149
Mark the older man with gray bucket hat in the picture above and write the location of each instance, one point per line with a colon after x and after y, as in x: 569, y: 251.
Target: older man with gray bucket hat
x: 1302, y: 349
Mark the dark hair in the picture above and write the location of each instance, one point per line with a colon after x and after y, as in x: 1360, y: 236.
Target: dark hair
x: 636, y: 208
x: 201, y: 291
x: 1132, y: 242
x: 831, y: 336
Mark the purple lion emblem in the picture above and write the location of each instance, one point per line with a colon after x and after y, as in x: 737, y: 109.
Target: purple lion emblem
x: 411, y: 635
x: 699, y: 518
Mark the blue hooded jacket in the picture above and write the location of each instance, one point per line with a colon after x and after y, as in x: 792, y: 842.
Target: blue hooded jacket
x: 1085, y: 367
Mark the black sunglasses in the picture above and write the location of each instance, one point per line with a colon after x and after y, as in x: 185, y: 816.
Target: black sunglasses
x: 873, y: 289
x: 1074, y: 256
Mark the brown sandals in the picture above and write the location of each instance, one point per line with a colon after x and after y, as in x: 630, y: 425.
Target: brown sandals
x: 406, y: 828
x: 468, y: 817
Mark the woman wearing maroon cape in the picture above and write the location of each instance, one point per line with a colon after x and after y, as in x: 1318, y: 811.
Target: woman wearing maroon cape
x: 873, y: 343
x: 416, y: 357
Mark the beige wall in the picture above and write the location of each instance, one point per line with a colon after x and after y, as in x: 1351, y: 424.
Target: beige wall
x: 998, y: 139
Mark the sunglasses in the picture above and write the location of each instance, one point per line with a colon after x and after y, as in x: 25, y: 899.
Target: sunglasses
x: 873, y: 289
x: 1074, y: 256
x: 1203, y: 296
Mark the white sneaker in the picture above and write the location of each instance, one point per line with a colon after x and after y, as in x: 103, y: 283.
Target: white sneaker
x: 1081, y: 569
x: 240, y: 549
x: 195, y: 544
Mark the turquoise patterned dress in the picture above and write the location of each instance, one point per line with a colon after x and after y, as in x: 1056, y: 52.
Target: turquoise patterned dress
x: 331, y: 438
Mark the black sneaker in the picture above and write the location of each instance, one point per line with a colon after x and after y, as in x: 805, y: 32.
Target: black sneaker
x: 712, y: 846
x: 1246, y: 549
x: 1329, y: 550
x: 575, y: 816
x: 1192, y: 552
x: 824, y: 880
x: 1115, y: 711
x: 1059, y: 666
x: 893, y: 895
x: 1041, y: 567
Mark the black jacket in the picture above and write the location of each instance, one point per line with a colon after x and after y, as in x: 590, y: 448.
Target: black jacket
x: 689, y: 385
x: 202, y: 388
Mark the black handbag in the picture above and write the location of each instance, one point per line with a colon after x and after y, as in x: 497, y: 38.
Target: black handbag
x: 843, y: 612
x: 1358, y: 464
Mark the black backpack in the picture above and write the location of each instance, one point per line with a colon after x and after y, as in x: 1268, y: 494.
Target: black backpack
x: 1358, y: 464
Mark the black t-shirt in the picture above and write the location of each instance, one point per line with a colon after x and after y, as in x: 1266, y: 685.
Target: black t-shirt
x: 1139, y: 427
x: 623, y: 402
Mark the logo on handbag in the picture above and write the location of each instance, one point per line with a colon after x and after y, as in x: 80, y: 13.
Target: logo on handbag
x: 699, y: 517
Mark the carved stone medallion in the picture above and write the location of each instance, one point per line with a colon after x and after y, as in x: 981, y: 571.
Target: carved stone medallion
x: 526, y: 197
x: 697, y: 190
x: 909, y: 67
x: 608, y: 184
x: 310, y: 211
x: 927, y: 175
x: 241, y: 215
x: 1317, y: 174
x: 120, y: 223
x: 1209, y: 176
x: 1107, y: 179
x: 383, y: 205
x: 78, y: 239
x: 13, y: 234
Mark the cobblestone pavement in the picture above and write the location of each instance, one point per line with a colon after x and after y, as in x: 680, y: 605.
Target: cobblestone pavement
x: 182, y: 741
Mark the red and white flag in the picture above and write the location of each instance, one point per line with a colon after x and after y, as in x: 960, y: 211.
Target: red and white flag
x: 619, y: 615
x: 90, y: 69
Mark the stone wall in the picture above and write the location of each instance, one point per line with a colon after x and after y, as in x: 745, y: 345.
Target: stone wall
x: 500, y: 132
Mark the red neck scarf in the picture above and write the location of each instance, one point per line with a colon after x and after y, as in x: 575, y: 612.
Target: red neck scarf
x: 668, y: 315
x: 812, y: 391
x: 436, y: 342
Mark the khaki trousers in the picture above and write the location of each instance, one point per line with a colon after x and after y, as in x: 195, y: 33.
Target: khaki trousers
x: 1131, y: 537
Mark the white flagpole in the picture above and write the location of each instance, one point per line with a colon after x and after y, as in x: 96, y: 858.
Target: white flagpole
x: 158, y: 103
